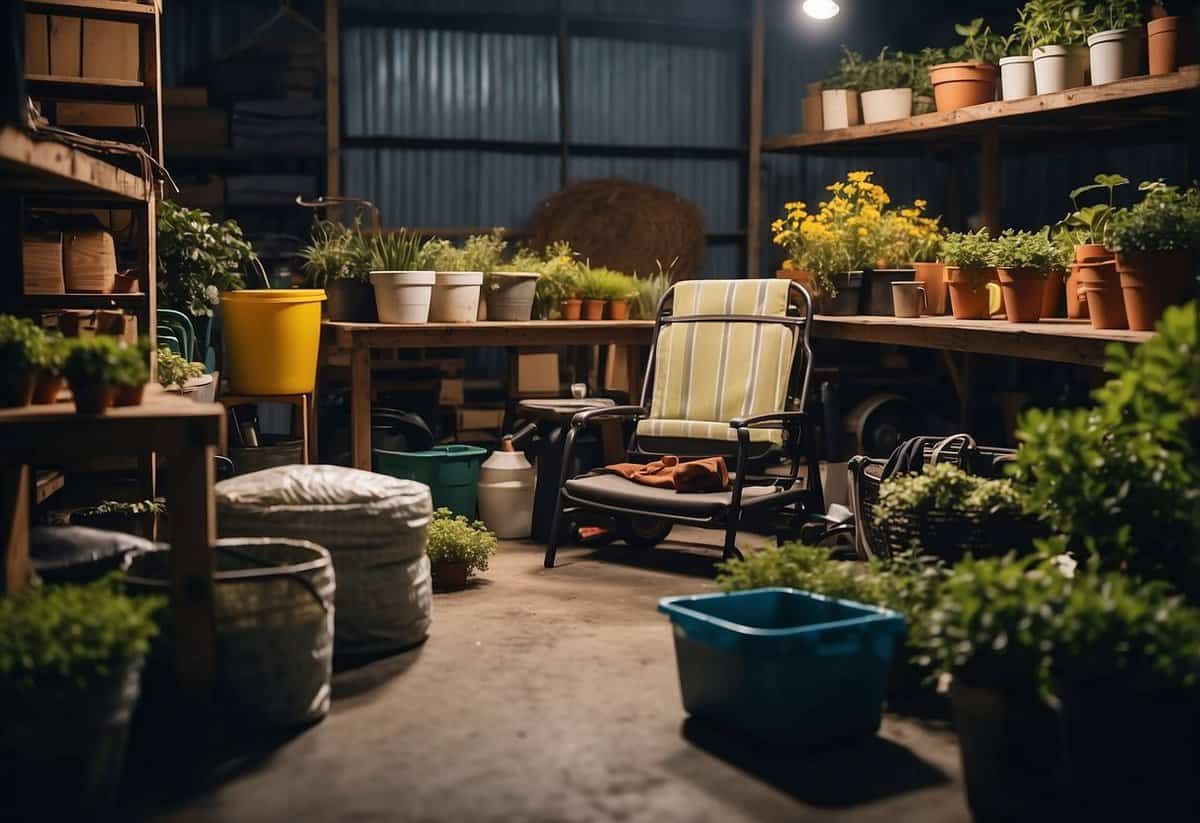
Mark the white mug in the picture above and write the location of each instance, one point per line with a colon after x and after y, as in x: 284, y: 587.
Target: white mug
x: 909, y: 298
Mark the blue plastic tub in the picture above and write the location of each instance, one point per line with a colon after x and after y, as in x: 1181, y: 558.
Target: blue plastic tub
x: 783, y: 665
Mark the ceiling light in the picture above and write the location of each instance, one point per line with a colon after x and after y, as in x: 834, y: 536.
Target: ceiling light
x: 820, y: 9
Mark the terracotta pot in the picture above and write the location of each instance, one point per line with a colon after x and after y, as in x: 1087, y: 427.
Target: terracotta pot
x: 128, y: 395
x: 1086, y: 252
x: 16, y: 389
x: 1076, y: 308
x: 1165, y: 36
x: 91, y: 396
x: 958, y: 85
x: 449, y: 576
x: 571, y: 308
x: 968, y: 295
x: 618, y: 309
x: 1100, y: 288
x: 933, y: 277
x: 1052, y: 294
x: 593, y: 309
x: 1023, y: 288
x: 45, y: 390
x: 1151, y: 281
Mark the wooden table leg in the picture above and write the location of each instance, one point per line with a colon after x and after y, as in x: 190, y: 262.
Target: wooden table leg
x: 302, y: 407
x: 193, y: 532
x: 14, y: 511
x: 360, y: 406
x: 312, y: 427
x: 633, y: 373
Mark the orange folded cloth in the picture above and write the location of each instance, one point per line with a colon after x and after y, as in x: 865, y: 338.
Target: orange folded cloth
x: 706, y: 475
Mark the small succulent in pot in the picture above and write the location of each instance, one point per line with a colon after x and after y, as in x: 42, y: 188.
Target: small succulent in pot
x: 23, y: 352
x: 971, y: 253
x: 131, y: 373
x: 90, y: 367
x: 457, y: 548
x: 175, y: 371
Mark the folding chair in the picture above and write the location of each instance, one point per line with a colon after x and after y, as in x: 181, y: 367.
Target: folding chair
x: 728, y: 375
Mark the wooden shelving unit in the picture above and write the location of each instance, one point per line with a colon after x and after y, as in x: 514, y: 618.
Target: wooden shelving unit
x: 44, y: 167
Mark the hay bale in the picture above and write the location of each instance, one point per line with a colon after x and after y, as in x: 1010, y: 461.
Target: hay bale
x: 623, y: 225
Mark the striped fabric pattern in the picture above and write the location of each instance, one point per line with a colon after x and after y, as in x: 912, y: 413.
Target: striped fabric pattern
x: 706, y: 374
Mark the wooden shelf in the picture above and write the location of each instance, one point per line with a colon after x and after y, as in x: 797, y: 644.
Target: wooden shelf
x: 1166, y: 102
x: 47, y: 483
x: 1057, y: 340
x: 103, y: 89
x: 34, y: 166
x: 118, y: 10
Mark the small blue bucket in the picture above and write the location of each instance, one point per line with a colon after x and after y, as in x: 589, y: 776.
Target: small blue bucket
x: 782, y: 665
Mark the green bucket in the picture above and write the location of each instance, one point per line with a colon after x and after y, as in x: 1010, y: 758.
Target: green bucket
x: 450, y: 472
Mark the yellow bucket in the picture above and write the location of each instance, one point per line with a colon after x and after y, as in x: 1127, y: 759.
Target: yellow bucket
x: 271, y: 340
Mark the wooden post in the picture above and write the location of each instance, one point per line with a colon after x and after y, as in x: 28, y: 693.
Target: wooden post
x: 989, y: 181
x: 755, y: 130
x: 14, y: 510
x: 360, y: 404
x: 333, y: 104
x: 193, y: 532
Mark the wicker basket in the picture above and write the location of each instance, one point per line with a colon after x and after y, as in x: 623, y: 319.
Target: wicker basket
x: 89, y: 262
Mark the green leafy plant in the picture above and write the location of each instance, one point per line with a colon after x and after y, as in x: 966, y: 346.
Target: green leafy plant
x: 894, y: 70
x: 66, y: 641
x: 606, y: 284
x: 174, y: 370
x: 849, y: 73
x: 335, y: 252
x: 1113, y: 15
x: 559, y: 281
x: 1055, y: 22
x: 198, y: 258
x: 926, y: 59
x: 650, y: 292
x: 1121, y: 480
x: 944, y: 486
x: 481, y: 252
x: 156, y: 506
x: 24, y: 346
x: 971, y: 252
x: 131, y: 365
x: 455, y: 539
x: 1030, y: 249
x: 1167, y: 219
x: 396, y: 251
x: 1088, y: 224
x: 92, y: 360
x: 979, y: 45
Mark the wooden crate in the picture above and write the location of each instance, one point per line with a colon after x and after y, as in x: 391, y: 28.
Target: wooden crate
x: 42, y: 256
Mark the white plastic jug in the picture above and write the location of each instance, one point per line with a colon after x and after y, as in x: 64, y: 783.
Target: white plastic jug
x: 506, y: 486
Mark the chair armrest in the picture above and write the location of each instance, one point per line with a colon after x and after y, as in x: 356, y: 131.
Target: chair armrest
x: 769, y: 417
x: 583, y: 418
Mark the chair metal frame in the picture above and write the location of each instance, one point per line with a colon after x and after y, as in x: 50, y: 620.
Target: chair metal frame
x: 799, y: 440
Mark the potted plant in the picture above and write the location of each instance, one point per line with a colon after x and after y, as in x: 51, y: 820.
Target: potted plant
x: 22, y: 352
x: 968, y: 259
x: 457, y: 548
x: 1094, y: 264
x: 598, y: 286
x: 402, y: 291
x: 1114, y: 40
x: 926, y: 58
x: 901, y: 234
x: 135, y: 518
x: 511, y: 287
x: 651, y: 291
x: 198, y: 258
x: 1125, y: 666
x: 811, y: 119
x: 89, y: 367
x: 928, y: 268
x: 70, y: 666
x: 338, y: 261
x: 130, y: 373
x: 839, y: 93
x: 175, y: 372
x: 557, y: 289
x: 1016, y: 67
x: 624, y: 289
x: 1023, y: 260
x: 887, y: 86
x: 1058, y: 32
x: 1166, y: 38
x: 49, y: 379
x: 970, y: 79
x: 1155, y: 243
x: 987, y: 632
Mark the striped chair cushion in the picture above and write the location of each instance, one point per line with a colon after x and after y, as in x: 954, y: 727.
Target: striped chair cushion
x: 706, y: 374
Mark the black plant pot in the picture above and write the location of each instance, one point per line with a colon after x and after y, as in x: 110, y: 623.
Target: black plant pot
x: 849, y: 296
x: 1011, y: 754
x: 877, y: 290
x: 351, y: 301
x: 1131, y: 755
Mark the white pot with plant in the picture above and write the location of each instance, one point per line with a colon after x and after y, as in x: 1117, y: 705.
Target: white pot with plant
x: 457, y: 548
x: 888, y: 87
x: 839, y: 97
x: 459, y: 275
x: 1016, y: 70
x: 1114, y: 40
x: 402, y: 292
x: 338, y: 261
x: 1057, y: 30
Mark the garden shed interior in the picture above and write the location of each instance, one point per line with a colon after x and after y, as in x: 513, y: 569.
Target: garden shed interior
x: 600, y: 410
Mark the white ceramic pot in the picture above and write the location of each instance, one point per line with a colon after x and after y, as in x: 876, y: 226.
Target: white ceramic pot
x: 839, y: 109
x: 1016, y: 78
x: 506, y: 489
x: 455, y: 296
x: 1114, y: 54
x: 510, y: 295
x: 886, y: 104
x: 403, y: 296
x: 1050, y: 68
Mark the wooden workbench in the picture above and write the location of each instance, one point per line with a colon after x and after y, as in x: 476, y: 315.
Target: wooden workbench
x: 169, y: 425
x: 358, y: 339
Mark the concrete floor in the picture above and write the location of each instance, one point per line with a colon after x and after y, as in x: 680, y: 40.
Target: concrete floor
x: 552, y: 695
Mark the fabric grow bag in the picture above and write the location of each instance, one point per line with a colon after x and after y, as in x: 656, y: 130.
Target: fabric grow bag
x: 782, y: 665
x: 375, y: 528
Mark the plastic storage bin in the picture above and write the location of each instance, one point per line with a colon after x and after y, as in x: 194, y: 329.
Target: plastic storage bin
x: 450, y: 472
x: 782, y: 665
x: 271, y: 340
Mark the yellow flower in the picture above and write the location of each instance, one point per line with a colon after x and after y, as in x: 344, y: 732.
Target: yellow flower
x: 860, y: 176
x: 920, y: 204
